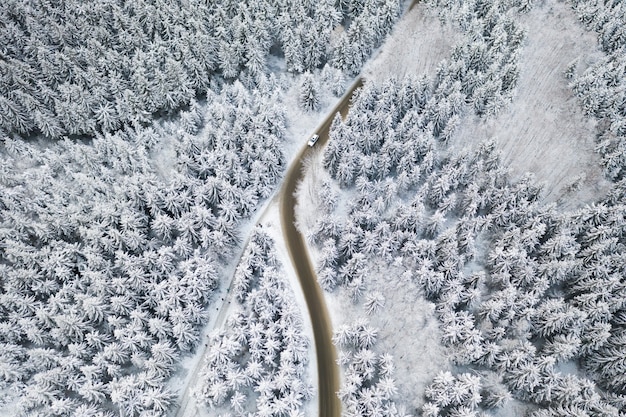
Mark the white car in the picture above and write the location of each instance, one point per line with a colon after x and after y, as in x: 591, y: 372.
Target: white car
x: 313, y: 140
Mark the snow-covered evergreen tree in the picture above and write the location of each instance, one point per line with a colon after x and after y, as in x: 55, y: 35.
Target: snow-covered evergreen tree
x: 308, y: 98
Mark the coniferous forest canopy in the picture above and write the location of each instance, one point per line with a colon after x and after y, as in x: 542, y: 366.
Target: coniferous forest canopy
x: 86, y: 67
x: 521, y: 289
x: 167, y: 129
x: 138, y: 139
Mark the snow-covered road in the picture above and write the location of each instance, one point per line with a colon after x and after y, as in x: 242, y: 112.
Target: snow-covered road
x: 327, y: 369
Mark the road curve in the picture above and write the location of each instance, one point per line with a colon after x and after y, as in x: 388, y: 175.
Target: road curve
x: 327, y: 368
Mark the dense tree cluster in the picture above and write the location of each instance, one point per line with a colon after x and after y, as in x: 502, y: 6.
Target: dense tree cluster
x: 82, y: 67
x: 107, y: 264
x: 368, y: 385
x: 508, y: 275
x: 78, y: 67
x: 366, y: 22
x: 597, y: 292
x: 256, y: 363
x: 453, y: 395
x: 309, y: 99
x: 393, y: 133
x: 520, y: 288
x: 605, y: 17
x: 597, y: 288
x: 485, y: 63
x: 602, y: 87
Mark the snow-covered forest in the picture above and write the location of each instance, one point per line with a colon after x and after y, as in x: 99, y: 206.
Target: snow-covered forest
x: 602, y: 88
x: 139, y: 140
x: 529, y: 296
x: 109, y: 259
x: 256, y: 364
x: 135, y: 138
x: 82, y: 67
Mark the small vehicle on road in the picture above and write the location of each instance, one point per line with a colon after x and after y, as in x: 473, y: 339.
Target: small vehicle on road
x: 313, y: 140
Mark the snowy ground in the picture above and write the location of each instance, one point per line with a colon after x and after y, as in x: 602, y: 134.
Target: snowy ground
x: 543, y: 130
x: 416, y: 46
x: 409, y: 331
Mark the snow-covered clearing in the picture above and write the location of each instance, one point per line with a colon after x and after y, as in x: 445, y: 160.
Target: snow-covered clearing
x: 543, y: 130
x: 415, y: 46
x: 409, y: 330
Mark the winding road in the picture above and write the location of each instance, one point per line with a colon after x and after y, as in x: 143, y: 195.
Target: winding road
x: 327, y: 369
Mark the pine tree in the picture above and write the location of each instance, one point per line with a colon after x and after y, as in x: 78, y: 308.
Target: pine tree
x: 308, y: 98
x: 374, y: 302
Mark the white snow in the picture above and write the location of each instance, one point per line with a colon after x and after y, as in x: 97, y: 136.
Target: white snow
x: 408, y: 330
x: 416, y: 45
x: 163, y: 157
x: 543, y: 130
